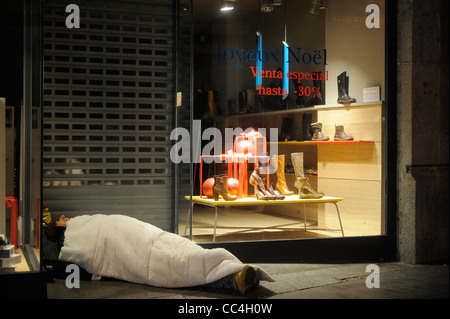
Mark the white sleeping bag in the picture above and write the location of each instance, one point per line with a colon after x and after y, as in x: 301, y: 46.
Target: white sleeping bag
x: 125, y: 248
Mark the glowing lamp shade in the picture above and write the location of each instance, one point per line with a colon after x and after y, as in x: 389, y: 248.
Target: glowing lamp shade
x: 244, y: 147
x: 233, y: 186
x: 208, y: 187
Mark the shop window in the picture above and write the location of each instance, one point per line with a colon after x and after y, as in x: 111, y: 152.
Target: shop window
x: 305, y: 81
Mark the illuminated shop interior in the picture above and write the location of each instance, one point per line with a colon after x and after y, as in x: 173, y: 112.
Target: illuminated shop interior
x: 322, y: 43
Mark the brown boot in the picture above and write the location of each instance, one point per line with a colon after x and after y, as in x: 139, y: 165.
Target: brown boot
x: 306, y: 191
x: 221, y: 188
x: 340, y: 135
x: 318, y: 136
x: 281, y: 178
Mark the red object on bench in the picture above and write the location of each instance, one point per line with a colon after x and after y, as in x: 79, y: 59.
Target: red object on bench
x: 11, y: 202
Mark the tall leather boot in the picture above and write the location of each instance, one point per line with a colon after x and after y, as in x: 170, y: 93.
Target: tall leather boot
x: 306, y: 191
x: 342, y: 82
x: 281, y: 177
x: 221, y: 188
x: 347, y: 81
x: 317, y: 129
x: 340, y: 135
x: 306, y: 126
x: 286, y: 129
x: 297, y: 163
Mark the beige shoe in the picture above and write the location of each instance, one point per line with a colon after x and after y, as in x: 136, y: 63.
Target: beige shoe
x: 306, y: 191
x: 318, y: 136
x: 297, y: 163
x: 340, y: 135
x: 247, y: 279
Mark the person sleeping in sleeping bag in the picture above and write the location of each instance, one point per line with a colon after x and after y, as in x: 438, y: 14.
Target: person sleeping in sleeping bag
x: 214, y: 268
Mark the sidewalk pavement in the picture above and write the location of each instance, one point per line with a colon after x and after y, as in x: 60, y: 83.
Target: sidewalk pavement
x: 292, y: 281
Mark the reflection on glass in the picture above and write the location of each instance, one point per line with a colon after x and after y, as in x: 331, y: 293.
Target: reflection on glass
x: 276, y: 64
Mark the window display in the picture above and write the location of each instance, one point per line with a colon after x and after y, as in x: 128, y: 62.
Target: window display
x: 283, y: 75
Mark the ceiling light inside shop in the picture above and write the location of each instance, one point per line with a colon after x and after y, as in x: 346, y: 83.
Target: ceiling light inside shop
x: 316, y: 5
x: 227, y: 5
x: 266, y: 6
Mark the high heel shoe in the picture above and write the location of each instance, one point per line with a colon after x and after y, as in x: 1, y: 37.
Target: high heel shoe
x: 260, y: 194
x: 257, y: 181
x: 276, y: 192
x: 221, y: 188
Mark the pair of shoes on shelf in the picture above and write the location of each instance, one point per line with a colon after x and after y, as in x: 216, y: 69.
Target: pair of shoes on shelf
x: 339, y: 134
x: 263, y: 192
x: 221, y: 188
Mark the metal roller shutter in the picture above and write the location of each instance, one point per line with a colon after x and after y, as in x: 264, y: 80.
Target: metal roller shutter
x: 108, y: 108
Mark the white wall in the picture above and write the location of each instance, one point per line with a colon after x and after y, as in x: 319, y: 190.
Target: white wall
x: 354, y: 48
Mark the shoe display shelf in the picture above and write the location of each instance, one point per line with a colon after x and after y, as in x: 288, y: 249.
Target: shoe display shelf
x: 345, y: 169
x: 252, y: 201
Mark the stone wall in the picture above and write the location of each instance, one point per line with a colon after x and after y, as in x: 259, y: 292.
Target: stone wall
x: 422, y: 131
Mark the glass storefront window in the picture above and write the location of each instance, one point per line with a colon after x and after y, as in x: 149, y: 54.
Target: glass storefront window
x: 287, y: 123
